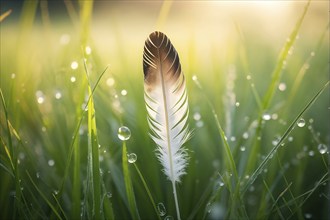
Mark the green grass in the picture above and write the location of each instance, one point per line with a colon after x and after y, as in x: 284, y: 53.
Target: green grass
x: 259, y: 106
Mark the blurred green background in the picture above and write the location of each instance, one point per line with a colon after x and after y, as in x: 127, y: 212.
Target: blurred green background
x: 232, y: 47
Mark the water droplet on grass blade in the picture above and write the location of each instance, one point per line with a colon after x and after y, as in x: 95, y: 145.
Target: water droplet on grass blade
x: 124, y: 133
x: 110, y: 82
x: 322, y: 148
x: 197, y: 116
x: 308, y: 215
x: 109, y: 194
x: 58, y: 95
x: 301, y: 123
x: 132, y: 158
x: 282, y: 87
x: 73, y: 79
x: 245, y: 135
x: 74, y: 65
x: 123, y: 92
x: 88, y: 50
x: 51, y: 163
x: 13, y: 75
x: 266, y: 117
x: 161, y: 209
x: 169, y: 218
x: 242, y: 148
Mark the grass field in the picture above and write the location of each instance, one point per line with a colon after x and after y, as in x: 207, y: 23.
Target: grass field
x: 74, y: 135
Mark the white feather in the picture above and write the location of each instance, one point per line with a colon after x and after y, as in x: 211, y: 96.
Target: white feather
x: 167, y: 104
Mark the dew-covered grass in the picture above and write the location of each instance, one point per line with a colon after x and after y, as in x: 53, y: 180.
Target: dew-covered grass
x: 74, y: 135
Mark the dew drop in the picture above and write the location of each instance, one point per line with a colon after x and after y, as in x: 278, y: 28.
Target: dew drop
x: 308, y: 215
x: 131, y: 157
x: 194, y: 77
x: 248, y: 77
x: 123, y: 92
x: 73, y: 79
x: 232, y: 138
x: 74, y: 65
x: 290, y: 139
x: 274, y: 116
x: 51, y: 163
x: 197, y: 116
x: 161, y: 209
x: 312, y: 53
x: 322, y: 148
x: 88, y: 50
x: 245, y: 135
x: 110, y: 81
x: 242, y: 148
x: 109, y: 194
x: 124, y: 133
x: 38, y: 175
x: 169, y: 218
x: 266, y: 117
x: 55, y: 192
x: 13, y: 75
x: 58, y: 95
x: 237, y: 104
x: 311, y: 153
x: 40, y: 97
x: 199, y: 123
x: 282, y: 87
x: 301, y: 123
x: 43, y: 129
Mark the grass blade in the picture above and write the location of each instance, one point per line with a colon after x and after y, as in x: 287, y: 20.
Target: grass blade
x: 128, y: 185
x: 284, y: 136
x: 44, y: 197
x: 276, y: 76
x: 93, y: 153
x: 147, y: 190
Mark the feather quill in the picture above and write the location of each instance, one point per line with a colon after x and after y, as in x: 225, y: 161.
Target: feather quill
x: 167, y: 105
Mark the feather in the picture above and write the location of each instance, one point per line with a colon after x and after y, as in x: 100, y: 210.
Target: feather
x: 167, y: 104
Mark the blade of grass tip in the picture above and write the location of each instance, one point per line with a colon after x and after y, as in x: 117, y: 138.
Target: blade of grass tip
x: 274, y: 201
x: 76, y: 132
x: 147, y: 190
x: 305, y: 67
x: 12, y: 158
x: 310, y: 193
x: 246, y: 68
x: 128, y: 185
x: 300, y: 216
x: 284, y: 136
x: 276, y: 75
x: 60, y: 207
x: 107, y: 205
x: 164, y: 11
x: 281, y: 61
x: 93, y: 152
x: 44, y: 197
x: 10, y: 151
x: 5, y: 14
x: 86, y: 9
